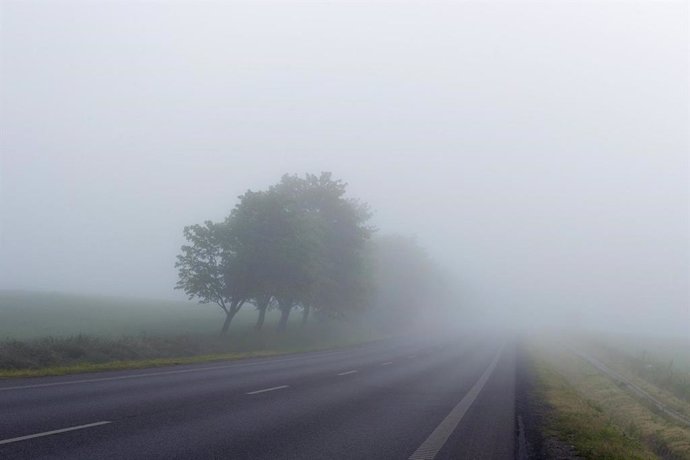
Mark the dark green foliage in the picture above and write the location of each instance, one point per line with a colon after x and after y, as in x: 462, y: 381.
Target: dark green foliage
x: 303, y: 243
x: 339, y: 284
x: 209, y: 271
x: 299, y: 243
x: 201, y: 264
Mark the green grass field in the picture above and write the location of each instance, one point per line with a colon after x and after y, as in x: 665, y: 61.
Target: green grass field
x: 580, y: 422
x: 49, y: 333
x: 26, y: 315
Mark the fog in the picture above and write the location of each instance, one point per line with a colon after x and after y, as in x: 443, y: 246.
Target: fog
x: 539, y: 151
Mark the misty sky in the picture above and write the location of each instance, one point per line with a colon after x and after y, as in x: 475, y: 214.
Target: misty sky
x: 538, y: 150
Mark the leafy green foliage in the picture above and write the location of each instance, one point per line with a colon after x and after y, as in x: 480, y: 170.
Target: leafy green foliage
x: 201, y: 265
x: 304, y: 243
x: 301, y: 242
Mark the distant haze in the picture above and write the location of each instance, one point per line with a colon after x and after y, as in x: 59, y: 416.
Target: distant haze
x: 539, y: 151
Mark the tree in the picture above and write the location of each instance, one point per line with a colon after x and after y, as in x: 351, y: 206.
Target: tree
x: 263, y: 303
x: 275, y: 245
x: 410, y: 287
x: 208, y: 270
x: 337, y: 283
x: 299, y: 243
x: 342, y: 285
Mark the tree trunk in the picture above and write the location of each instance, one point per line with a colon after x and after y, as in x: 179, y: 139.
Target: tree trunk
x: 262, y: 306
x: 229, y: 315
x: 261, y: 318
x: 284, y: 315
x: 305, y: 315
x: 226, y: 323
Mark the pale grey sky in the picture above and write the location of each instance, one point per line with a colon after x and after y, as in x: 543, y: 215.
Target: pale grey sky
x: 538, y: 149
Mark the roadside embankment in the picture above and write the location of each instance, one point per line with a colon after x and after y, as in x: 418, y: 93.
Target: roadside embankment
x: 571, y: 409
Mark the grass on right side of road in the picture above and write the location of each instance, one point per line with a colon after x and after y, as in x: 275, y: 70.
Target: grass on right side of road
x: 661, y: 367
x: 573, y: 419
x: 599, y: 416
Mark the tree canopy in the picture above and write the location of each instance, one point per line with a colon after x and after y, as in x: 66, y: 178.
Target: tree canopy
x: 300, y: 243
x: 303, y: 243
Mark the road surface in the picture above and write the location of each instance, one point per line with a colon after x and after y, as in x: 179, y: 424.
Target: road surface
x: 394, y: 399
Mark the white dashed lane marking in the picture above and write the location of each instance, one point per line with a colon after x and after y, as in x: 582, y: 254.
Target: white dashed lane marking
x: 348, y: 372
x: 48, y: 433
x: 266, y: 390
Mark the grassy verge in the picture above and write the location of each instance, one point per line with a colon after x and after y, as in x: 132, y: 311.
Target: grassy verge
x: 580, y: 423
x: 661, y: 372
x: 77, y: 354
x: 45, y: 333
x: 600, y: 419
x: 121, y: 365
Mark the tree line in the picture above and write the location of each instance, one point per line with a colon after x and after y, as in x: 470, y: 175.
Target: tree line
x: 302, y: 244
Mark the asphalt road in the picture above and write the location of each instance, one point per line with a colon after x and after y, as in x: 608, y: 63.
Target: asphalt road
x: 395, y: 399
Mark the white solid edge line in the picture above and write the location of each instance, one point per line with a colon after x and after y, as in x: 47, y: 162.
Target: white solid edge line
x: 48, y: 433
x: 436, y: 440
x: 268, y: 389
x: 387, y: 363
x: 348, y: 372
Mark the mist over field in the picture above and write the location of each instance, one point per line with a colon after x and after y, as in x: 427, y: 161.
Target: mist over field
x: 538, y: 151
